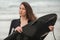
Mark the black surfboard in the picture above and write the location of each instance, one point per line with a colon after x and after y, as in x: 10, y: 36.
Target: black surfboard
x: 36, y: 28
x: 40, y: 26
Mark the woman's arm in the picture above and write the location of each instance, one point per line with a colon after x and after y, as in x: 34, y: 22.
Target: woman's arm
x: 11, y: 26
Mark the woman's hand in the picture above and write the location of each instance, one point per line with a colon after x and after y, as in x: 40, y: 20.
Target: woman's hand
x: 19, y: 29
x: 51, y: 28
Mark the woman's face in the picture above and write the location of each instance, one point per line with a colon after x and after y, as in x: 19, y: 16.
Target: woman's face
x: 22, y: 10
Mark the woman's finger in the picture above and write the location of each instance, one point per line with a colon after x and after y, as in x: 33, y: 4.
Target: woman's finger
x: 51, y: 28
x: 19, y: 29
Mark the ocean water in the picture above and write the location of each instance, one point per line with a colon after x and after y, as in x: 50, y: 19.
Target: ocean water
x: 9, y: 11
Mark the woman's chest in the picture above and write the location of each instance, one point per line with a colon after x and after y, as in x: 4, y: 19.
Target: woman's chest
x: 23, y: 23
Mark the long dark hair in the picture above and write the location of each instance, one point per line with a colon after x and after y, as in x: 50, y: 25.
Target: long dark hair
x: 29, y: 12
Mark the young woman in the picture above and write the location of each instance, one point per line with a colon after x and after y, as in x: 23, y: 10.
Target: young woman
x: 26, y: 16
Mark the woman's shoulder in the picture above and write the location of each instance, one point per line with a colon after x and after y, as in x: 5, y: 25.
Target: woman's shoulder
x: 15, y: 20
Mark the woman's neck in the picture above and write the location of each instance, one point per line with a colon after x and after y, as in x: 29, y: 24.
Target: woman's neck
x: 23, y: 18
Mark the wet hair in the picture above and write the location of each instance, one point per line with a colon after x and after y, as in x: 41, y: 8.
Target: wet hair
x: 29, y: 12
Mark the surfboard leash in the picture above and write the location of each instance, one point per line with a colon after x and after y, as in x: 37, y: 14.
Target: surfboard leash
x: 54, y: 35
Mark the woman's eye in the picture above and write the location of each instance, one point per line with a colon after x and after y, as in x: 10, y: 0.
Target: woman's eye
x: 23, y: 8
x: 20, y: 8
